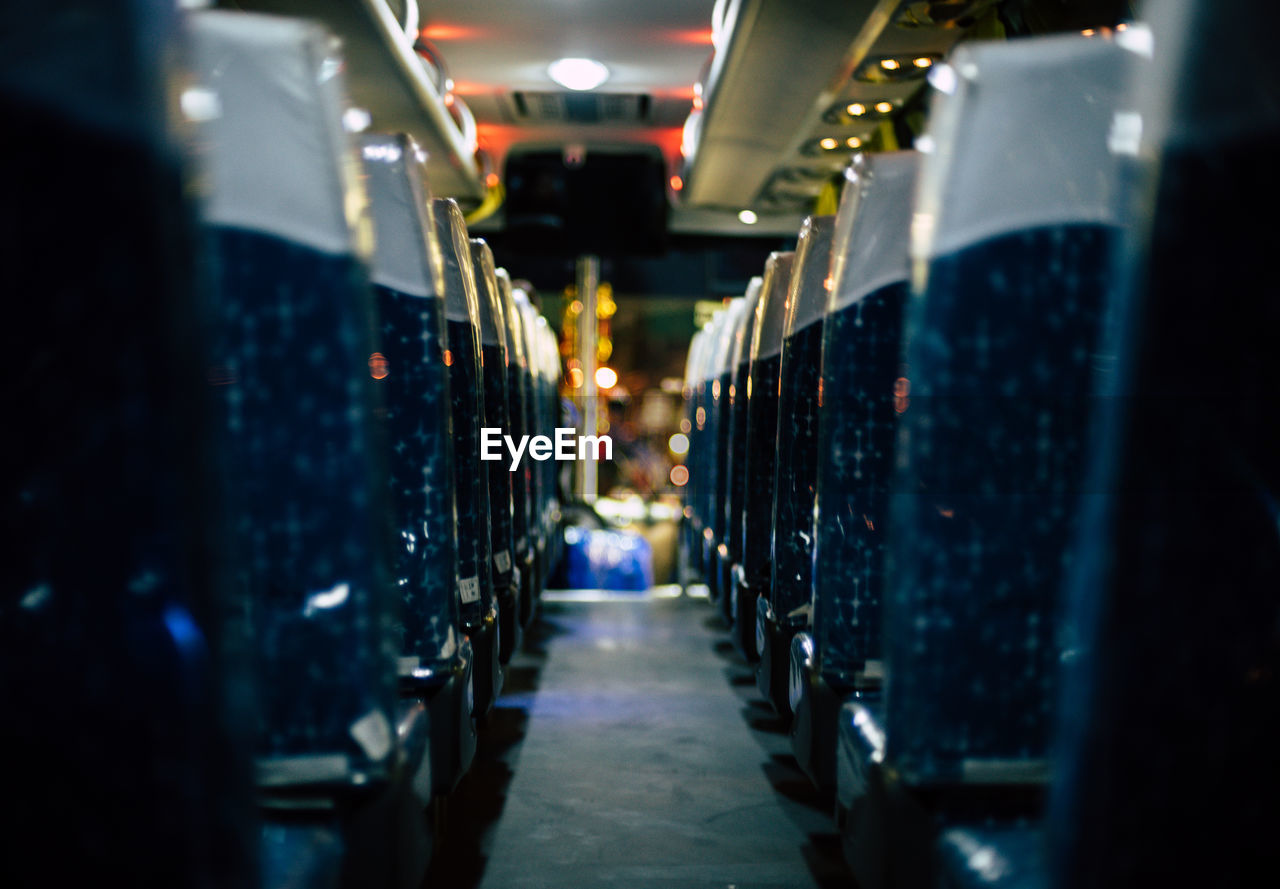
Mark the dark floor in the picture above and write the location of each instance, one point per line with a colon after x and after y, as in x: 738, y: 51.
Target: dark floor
x: 630, y: 749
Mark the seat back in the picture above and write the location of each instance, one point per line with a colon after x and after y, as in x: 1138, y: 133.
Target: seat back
x: 466, y: 396
x: 1012, y: 253
x: 288, y: 223
x: 690, y: 528
x: 702, y: 466
x: 720, y: 386
x: 1171, y: 718
x: 519, y: 390
x: 113, y: 657
x: 861, y: 363
x: 407, y: 274
x: 796, y: 464
x: 762, y: 418
x: 550, y: 417
x: 740, y: 362
x: 495, y: 359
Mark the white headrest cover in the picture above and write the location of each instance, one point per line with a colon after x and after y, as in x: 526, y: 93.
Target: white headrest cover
x: 461, y: 301
x: 873, y: 226
x: 728, y: 334
x: 1020, y: 140
x: 807, y: 291
x: 742, y: 336
x: 277, y: 156
x: 771, y: 311
x: 406, y: 254
x: 492, y: 321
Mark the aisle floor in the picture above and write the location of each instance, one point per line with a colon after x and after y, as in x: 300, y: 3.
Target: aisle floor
x: 630, y: 748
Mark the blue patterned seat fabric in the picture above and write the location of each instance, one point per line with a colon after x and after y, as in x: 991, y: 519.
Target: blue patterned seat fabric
x: 1167, y: 768
x: 296, y: 335
x: 1002, y: 328
x: 796, y: 472
x: 111, y: 650
x: 518, y: 390
x: 720, y: 395
x: 495, y: 360
x: 737, y: 461
x: 708, y: 434
x: 861, y: 361
x: 407, y: 277
x: 466, y: 394
x: 762, y: 420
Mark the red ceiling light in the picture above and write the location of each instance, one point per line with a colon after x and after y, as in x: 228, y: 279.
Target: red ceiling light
x: 441, y: 31
x: 697, y: 36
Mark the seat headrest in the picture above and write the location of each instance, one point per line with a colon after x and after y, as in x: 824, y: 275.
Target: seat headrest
x: 406, y: 254
x: 277, y: 155
x: 808, y: 288
x: 771, y: 312
x: 741, y: 349
x: 873, y: 226
x: 461, y: 301
x: 492, y: 319
x: 1019, y: 139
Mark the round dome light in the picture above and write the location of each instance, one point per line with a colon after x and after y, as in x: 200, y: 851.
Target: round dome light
x: 578, y: 74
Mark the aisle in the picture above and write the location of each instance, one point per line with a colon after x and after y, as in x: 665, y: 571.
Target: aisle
x: 629, y: 750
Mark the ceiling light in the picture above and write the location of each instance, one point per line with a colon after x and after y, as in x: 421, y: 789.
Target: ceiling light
x: 853, y: 142
x: 829, y: 143
x: 922, y: 62
x: 606, y: 377
x: 747, y: 217
x: 884, y: 107
x: 857, y: 109
x: 889, y: 64
x: 578, y: 74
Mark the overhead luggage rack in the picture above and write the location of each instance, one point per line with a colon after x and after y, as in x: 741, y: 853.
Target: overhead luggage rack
x: 386, y: 78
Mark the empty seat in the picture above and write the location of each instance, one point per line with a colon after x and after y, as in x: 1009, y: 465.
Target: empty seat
x: 796, y: 463
x: 408, y: 274
x: 751, y: 581
x: 689, y: 527
x: 299, y: 357
x: 1011, y: 257
x: 298, y: 393
x: 861, y: 361
x: 1167, y: 769
x: 735, y: 461
x: 471, y: 480
x: 1015, y: 257
x: 518, y: 390
x: 120, y: 720
x: 535, y: 480
x: 552, y: 380
x: 702, y: 446
x: 495, y: 358
x: 722, y: 380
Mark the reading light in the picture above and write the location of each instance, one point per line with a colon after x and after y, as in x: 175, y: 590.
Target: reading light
x: 884, y: 107
x: 748, y: 217
x: 890, y: 64
x: 853, y: 142
x: 923, y: 62
x: 828, y: 143
x: 578, y: 74
x: 857, y: 109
